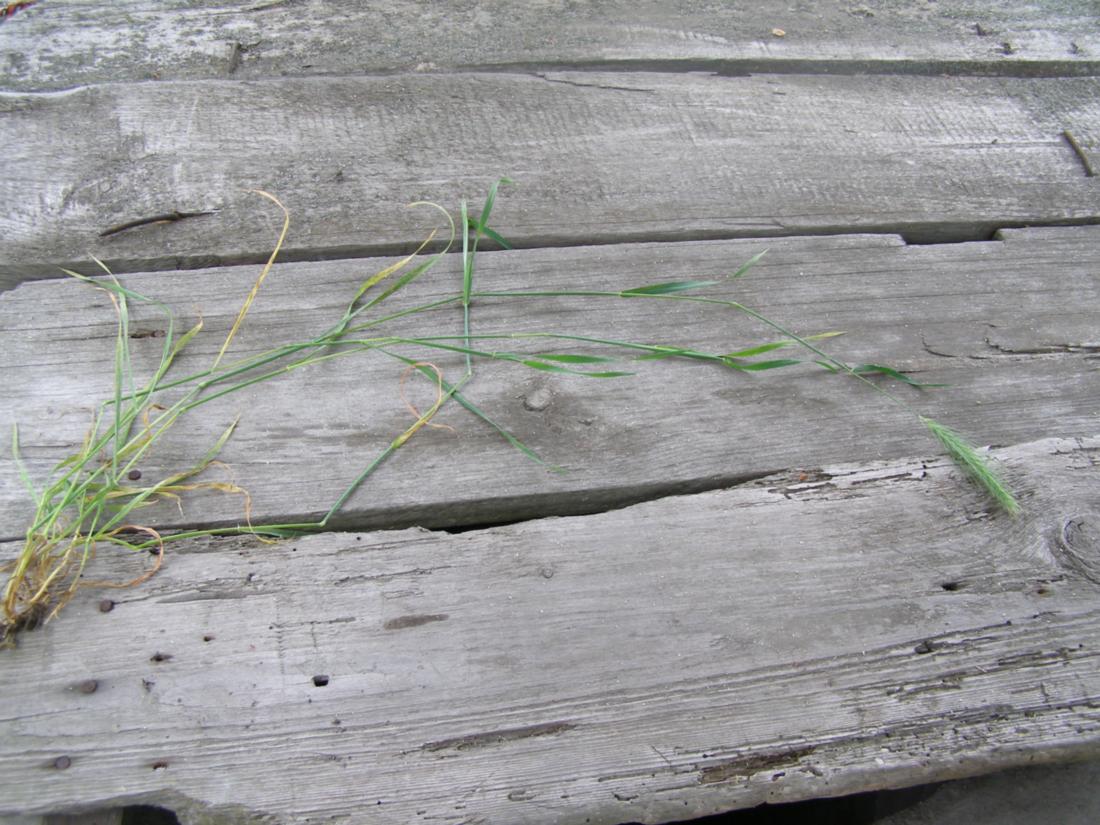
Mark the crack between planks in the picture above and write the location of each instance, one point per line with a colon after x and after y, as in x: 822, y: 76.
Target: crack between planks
x: 523, y: 509
x: 912, y: 233
x: 747, y: 67
x: 1005, y: 66
x: 576, y: 504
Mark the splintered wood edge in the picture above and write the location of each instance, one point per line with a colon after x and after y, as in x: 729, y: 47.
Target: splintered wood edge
x: 781, y: 640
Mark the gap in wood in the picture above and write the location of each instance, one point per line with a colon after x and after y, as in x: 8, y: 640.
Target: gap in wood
x: 492, y: 514
x: 915, y: 234
x: 760, y: 66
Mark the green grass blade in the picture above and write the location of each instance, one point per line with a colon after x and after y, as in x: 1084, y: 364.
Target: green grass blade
x: 492, y: 234
x: 405, y: 279
x: 467, y: 280
x: 506, y: 435
x: 122, y: 373
x: 183, y: 341
x: 542, y: 365
x: 758, y: 366
x: 20, y: 467
x: 467, y: 258
x: 490, y: 200
x: 567, y: 358
x: 975, y: 465
x: 760, y: 350
x: 667, y: 288
x: 454, y: 393
x: 747, y: 265
x: 774, y: 345
x: 865, y: 369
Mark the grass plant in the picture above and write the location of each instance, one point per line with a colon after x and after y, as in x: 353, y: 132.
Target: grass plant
x: 93, y: 498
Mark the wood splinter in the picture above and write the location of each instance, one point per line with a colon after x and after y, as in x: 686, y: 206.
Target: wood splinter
x: 1079, y: 150
x: 167, y: 217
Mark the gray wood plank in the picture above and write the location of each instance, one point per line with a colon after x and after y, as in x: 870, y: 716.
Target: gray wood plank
x: 771, y: 642
x: 1010, y: 325
x: 59, y: 45
x: 599, y: 158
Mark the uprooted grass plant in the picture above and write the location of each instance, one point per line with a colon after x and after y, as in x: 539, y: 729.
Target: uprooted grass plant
x: 92, y: 498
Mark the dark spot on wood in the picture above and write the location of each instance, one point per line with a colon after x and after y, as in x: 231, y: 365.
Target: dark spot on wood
x: 160, y: 657
x: 402, y: 622
x: 743, y: 767
x: 134, y: 475
x: 953, y: 587
x: 208, y: 637
x: 138, y: 334
x: 160, y: 765
x: 145, y: 815
x: 106, y: 605
x: 498, y: 737
x: 924, y: 647
x: 62, y: 762
x: 235, y: 50
x: 320, y: 680
x: 87, y: 686
x: 147, y: 685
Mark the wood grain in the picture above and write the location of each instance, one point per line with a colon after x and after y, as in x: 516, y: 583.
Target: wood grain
x: 600, y: 158
x: 1009, y: 325
x: 778, y: 640
x: 81, y: 41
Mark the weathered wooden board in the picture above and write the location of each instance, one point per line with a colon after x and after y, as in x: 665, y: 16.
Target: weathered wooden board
x: 600, y: 158
x: 1010, y: 325
x: 58, y: 45
x: 775, y: 641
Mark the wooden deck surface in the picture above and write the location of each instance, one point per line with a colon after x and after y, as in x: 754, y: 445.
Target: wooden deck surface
x: 744, y: 588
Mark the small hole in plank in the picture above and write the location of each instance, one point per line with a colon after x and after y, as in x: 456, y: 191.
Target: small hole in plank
x: 148, y: 815
x: 320, y: 680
